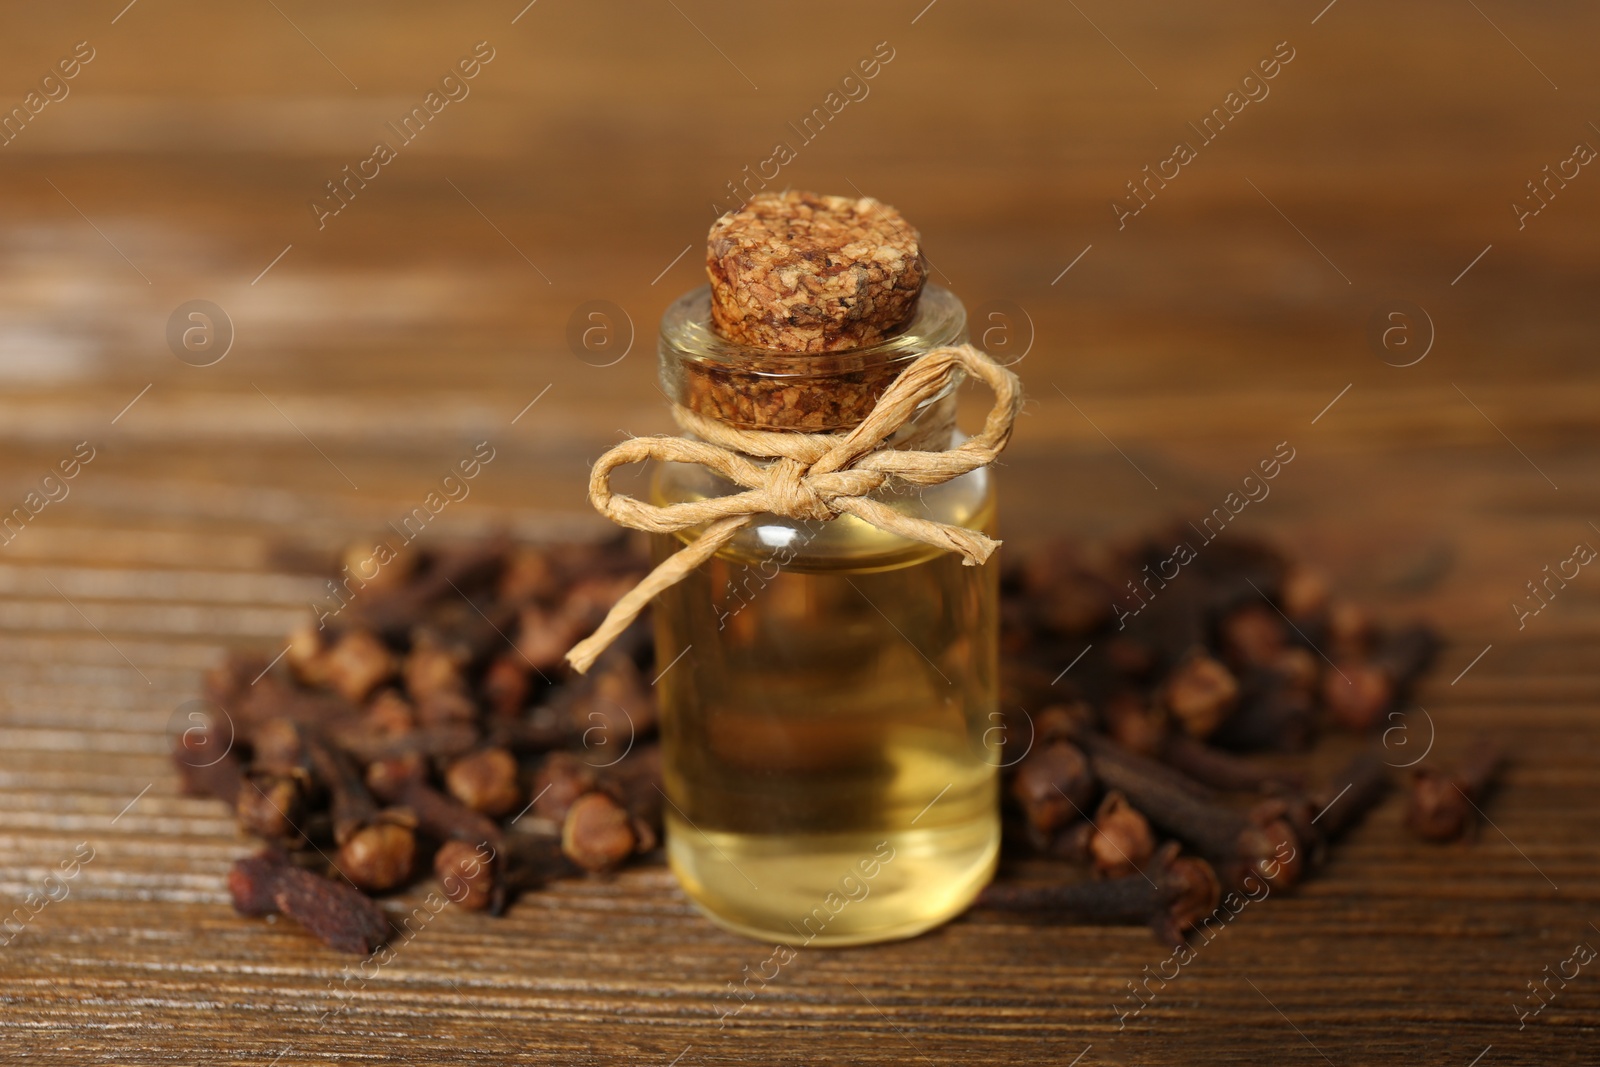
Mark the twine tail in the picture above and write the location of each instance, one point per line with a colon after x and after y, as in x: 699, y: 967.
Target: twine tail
x: 670, y: 572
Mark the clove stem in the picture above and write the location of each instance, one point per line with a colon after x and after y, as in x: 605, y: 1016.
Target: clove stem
x: 1170, y: 896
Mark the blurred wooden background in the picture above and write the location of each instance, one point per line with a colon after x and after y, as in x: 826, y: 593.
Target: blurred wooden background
x: 1377, y: 176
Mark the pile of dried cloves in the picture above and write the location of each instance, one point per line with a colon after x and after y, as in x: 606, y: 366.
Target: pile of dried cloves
x: 1168, y: 688
x: 425, y: 721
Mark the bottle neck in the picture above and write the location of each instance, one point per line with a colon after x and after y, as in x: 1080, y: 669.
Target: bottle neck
x: 823, y: 392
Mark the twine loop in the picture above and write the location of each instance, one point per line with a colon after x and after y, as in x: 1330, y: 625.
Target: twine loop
x: 808, y: 477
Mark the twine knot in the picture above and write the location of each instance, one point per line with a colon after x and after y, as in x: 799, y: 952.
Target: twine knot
x: 795, y: 494
x: 809, y: 477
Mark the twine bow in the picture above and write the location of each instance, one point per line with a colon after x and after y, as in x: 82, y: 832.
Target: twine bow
x: 811, y: 476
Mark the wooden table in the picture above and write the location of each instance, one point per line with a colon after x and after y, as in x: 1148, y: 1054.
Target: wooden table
x: 1243, y: 306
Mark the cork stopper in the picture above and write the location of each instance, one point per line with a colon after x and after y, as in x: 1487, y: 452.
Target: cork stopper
x: 800, y: 272
x: 818, y: 298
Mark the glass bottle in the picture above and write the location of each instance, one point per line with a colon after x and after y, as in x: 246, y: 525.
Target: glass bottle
x: 828, y: 690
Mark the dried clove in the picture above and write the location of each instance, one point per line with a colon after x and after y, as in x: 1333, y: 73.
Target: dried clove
x: 545, y: 728
x: 1253, y: 635
x: 390, y: 715
x: 1053, y: 786
x: 269, y: 805
x: 617, y: 708
x: 1239, y: 844
x: 506, y: 685
x: 278, y: 746
x: 355, y: 665
x: 485, y: 781
x: 1131, y: 722
x: 1061, y: 722
x: 376, y: 848
x: 229, y: 680
x: 1059, y: 590
x: 467, y: 873
x: 1105, y: 753
x: 433, y: 667
x: 1201, y: 693
x: 1358, y: 693
x: 398, y: 566
x: 1303, y: 594
x: 1443, y: 805
x: 597, y: 833
x: 1172, y: 895
x: 1122, y: 842
x: 305, y: 655
x: 339, y: 916
x: 380, y: 855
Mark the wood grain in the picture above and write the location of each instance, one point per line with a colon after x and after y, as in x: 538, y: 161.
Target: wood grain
x: 1173, y: 354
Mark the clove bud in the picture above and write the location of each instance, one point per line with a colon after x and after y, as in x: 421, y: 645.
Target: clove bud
x: 377, y: 848
x: 485, y: 781
x: 1122, y: 842
x: 598, y: 833
x: 467, y: 874
x: 270, y: 805
x: 1358, y: 693
x: 1201, y: 693
x: 1053, y: 786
